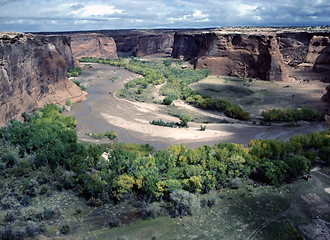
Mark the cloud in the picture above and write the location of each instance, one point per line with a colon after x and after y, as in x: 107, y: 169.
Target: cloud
x: 70, y: 15
x: 76, y: 7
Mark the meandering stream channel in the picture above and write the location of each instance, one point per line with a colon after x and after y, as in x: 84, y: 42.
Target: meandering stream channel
x: 103, y: 111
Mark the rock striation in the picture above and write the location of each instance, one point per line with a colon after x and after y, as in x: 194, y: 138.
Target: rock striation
x: 241, y: 55
x: 33, y: 72
x: 93, y: 45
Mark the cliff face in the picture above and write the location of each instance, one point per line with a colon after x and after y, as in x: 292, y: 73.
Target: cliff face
x: 33, y: 73
x: 239, y: 55
x: 93, y: 45
x: 151, y: 44
x: 319, y: 53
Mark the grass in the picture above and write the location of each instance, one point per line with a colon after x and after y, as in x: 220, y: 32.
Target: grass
x: 234, y: 215
x: 256, y: 95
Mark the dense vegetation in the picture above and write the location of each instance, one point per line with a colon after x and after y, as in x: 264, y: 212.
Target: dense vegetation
x: 42, y: 154
x: 74, y: 72
x: 290, y: 115
x: 48, y: 139
x: 177, y: 84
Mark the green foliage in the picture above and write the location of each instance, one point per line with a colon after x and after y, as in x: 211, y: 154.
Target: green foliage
x: 289, y: 115
x: 122, y: 186
x: 167, y: 63
x: 184, y: 119
x: 68, y: 102
x: 74, y: 72
x: 42, y: 154
x: 109, y: 134
x: 202, y: 127
x: 51, y: 137
x: 168, y: 100
x: 82, y: 87
x: 165, y: 124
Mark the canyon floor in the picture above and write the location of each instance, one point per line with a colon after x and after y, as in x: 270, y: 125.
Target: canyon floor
x: 103, y: 110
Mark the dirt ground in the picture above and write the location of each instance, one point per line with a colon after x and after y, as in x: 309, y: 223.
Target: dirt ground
x: 103, y: 111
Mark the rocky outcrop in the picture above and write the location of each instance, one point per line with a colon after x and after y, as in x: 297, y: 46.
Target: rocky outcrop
x: 241, y: 55
x: 33, y: 72
x: 93, y: 45
x: 319, y: 53
x: 293, y: 47
x: 152, y: 44
x: 142, y: 42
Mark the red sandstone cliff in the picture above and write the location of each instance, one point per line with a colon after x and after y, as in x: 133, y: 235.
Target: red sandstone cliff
x: 93, y: 45
x: 241, y: 55
x: 33, y: 73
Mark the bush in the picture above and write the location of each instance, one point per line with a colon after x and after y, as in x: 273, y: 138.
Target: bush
x: 184, y: 119
x: 113, y: 221
x: 111, y: 135
x: 290, y: 115
x: 68, y: 102
x: 74, y: 72
x: 65, y: 229
x: 164, y: 124
x: 184, y: 202
x: 168, y: 100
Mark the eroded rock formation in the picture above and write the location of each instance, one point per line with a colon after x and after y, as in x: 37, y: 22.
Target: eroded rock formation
x: 241, y: 55
x: 93, y: 45
x: 319, y: 53
x: 151, y: 44
x: 33, y: 72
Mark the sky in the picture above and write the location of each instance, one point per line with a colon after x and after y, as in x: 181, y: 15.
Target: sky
x: 73, y: 15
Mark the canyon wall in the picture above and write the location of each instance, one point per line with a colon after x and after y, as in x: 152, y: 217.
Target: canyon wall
x: 33, y: 72
x: 240, y: 55
x: 93, y: 45
x: 318, y: 53
x: 152, y: 44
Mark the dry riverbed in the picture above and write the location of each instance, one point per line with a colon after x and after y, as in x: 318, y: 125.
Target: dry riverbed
x: 103, y: 111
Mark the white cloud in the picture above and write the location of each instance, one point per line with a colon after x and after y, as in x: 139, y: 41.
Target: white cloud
x: 98, y: 10
x: 26, y: 15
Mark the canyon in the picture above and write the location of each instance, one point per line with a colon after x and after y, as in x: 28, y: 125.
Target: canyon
x: 33, y: 72
x: 33, y: 67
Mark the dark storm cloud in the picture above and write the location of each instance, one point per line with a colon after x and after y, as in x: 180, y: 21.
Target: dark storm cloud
x: 61, y: 15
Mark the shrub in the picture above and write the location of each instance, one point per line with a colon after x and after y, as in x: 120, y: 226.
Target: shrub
x: 184, y: 202
x: 184, y: 119
x: 164, y: 124
x: 122, y: 186
x: 168, y: 100
x: 74, y: 72
x: 65, y: 228
x: 111, y: 135
x: 68, y: 102
x: 113, y: 221
x: 298, y: 166
x: 290, y: 115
